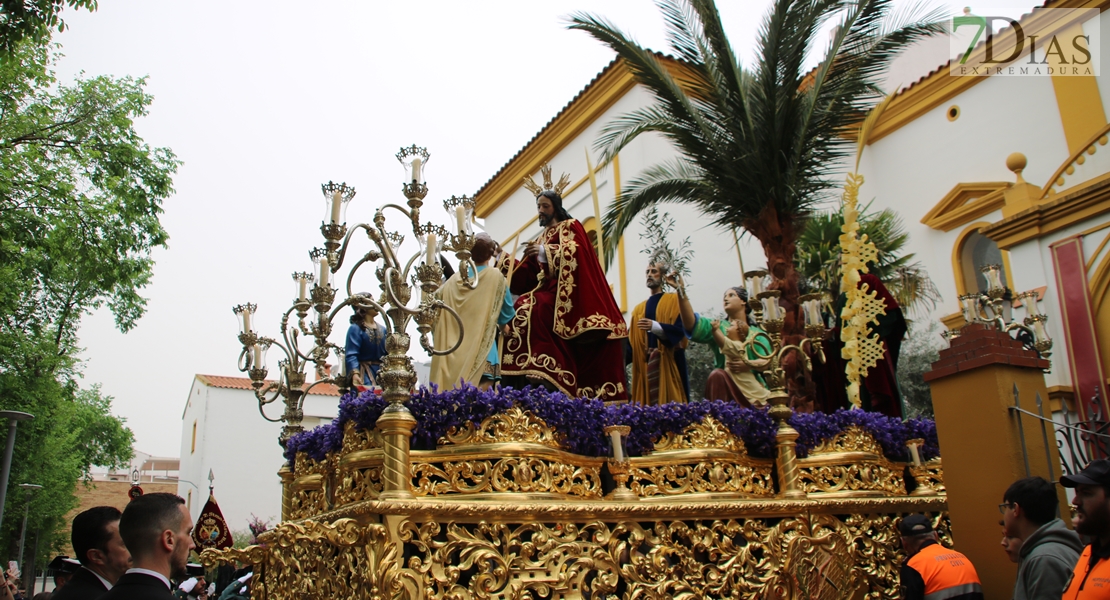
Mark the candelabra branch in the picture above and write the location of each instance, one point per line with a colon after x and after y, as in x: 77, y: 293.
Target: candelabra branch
x: 424, y: 320
x: 397, y: 376
x: 341, y: 253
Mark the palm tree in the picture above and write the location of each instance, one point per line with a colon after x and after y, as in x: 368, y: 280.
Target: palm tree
x: 758, y: 147
x: 818, y: 259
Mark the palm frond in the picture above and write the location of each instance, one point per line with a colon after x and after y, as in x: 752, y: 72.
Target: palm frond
x: 678, y: 180
x: 762, y: 144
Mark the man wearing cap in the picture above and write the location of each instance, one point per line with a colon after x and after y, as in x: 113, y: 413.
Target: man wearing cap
x: 100, y: 549
x: 931, y: 570
x: 1048, y: 549
x: 1091, y: 578
x: 63, y: 568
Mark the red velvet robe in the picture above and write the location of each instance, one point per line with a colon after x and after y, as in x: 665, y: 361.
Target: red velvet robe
x: 567, y: 329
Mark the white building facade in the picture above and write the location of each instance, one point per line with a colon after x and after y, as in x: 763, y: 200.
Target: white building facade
x: 940, y: 155
x: 223, y: 433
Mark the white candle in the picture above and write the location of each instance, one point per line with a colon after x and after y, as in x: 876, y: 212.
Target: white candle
x: 257, y: 356
x: 615, y: 440
x: 431, y: 258
x: 757, y: 286
x: 915, y: 455
x: 324, y: 271
x: 303, y: 281
x: 336, y: 205
x: 246, y: 320
x: 460, y: 216
x: 416, y: 170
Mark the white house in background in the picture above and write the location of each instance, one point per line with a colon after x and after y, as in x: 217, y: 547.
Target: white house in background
x: 222, y: 432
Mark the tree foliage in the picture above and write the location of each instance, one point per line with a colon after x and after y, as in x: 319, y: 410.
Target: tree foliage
x: 758, y: 146
x: 920, y: 350
x: 32, y: 20
x: 80, y: 199
x: 818, y: 258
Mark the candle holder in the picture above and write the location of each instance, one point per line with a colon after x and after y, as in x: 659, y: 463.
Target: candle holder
x: 920, y: 472
x: 754, y: 282
x: 316, y: 291
x: 771, y: 318
x: 995, y: 307
x: 619, y: 465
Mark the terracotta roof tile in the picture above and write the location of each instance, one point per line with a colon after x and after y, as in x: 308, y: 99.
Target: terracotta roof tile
x: 243, y: 383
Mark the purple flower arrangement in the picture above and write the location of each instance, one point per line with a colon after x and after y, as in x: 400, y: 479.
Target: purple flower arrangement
x: 579, y: 422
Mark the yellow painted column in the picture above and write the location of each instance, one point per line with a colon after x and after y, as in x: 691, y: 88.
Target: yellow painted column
x: 1077, y: 97
x: 981, y: 444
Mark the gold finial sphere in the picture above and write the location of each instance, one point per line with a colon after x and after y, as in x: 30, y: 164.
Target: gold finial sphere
x: 1016, y: 162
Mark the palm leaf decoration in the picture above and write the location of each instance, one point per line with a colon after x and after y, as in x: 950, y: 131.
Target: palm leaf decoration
x: 758, y: 147
x: 818, y: 259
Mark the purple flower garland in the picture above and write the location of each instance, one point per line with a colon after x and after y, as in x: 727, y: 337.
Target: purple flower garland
x: 579, y: 422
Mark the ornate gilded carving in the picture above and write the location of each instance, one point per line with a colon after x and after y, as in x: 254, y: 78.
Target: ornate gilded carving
x: 710, y: 433
x: 513, y: 425
x: 706, y: 476
x: 851, y: 439
x: 312, y: 560
x: 850, y: 463
x: 875, y: 477
x: 517, y: 474
x: 354, y: 440
x: 359, y: 483
x: 798, y: 557
x: 308, y: 494
x: 929, y: 477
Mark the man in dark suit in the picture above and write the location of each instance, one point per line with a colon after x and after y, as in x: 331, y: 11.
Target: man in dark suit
x: 100, y: 549
x: 157, y: 529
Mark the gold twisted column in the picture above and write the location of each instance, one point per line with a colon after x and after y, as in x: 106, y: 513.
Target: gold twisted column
x: 396, y: 427
x: 785, y: 440
x: 286, y: 475
x: 396, y: 422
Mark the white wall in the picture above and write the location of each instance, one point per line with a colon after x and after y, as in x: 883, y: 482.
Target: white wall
x: 241, y: 449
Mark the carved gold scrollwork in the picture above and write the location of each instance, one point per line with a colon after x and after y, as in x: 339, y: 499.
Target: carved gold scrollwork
x: 710, y: 433
x: 310, y: 479
x: 357, y: 484
x: 707, y: 476
x: 874, y: 477
x: 851, y: 463
x: 513, y: 474
x: 814, y: 555
x: 851, y: 439
x: 354, y: 439
x: 310, y: 560
x: 513, y: 425
x: 929, y: 477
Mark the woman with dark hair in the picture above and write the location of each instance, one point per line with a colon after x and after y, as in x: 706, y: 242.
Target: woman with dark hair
x: 365, y: 346
x: 730, y: 340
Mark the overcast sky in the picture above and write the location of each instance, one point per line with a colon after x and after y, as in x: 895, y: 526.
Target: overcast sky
x: 264, y: 101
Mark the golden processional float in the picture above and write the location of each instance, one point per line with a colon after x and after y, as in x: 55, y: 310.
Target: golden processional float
x: 508, y: 505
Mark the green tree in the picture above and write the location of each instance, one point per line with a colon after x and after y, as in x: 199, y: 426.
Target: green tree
x: 759, y: 147
x: 33, y: 20
x: 818, y: 258
x: 920, y: 350
x: 80, y: 200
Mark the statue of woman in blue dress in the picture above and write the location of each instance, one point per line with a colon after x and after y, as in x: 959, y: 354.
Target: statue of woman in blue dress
x: 365, y: 347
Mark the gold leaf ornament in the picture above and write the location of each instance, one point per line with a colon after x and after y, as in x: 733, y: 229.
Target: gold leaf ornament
x: 861, y: 351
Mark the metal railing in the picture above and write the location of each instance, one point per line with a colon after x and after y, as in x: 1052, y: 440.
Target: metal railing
x: 1077, y: 443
